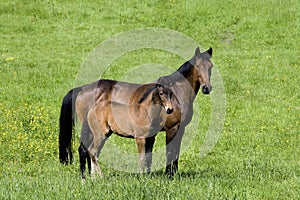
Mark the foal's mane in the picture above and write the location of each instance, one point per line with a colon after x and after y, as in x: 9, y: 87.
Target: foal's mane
x: 147, y: 93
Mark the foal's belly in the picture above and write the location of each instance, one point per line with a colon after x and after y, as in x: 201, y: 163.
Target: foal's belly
x: 125, y: 127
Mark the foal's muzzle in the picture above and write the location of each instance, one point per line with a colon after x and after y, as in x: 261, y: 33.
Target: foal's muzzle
x: 206, y: 89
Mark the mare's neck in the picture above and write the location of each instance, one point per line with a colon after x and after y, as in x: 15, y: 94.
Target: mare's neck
x: 189, y: 72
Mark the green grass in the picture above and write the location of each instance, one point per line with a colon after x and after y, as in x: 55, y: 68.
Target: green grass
x: 256, y: 49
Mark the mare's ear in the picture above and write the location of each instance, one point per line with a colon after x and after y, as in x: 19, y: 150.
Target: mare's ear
x: 165, y: 80
x: 197, y: 52
x: 210, y: 51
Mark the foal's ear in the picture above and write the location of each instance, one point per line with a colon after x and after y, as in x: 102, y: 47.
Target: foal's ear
x: 210, y: 51
x: 197, y: 52
x: 160, y: 87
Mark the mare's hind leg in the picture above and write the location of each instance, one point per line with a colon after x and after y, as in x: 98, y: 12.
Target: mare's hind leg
x: 69, y: 149
x: 88, y: 158
x: 83, y: 157
x: 86, y: 139
x: 141, y: 142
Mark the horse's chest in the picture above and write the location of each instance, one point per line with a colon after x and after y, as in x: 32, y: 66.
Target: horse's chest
x: 187, y: 112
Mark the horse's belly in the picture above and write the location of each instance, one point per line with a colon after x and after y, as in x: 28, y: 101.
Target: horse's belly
x: 121, y: 126
x: 141, y: 132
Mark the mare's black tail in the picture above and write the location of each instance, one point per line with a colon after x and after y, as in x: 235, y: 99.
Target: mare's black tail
x: 66, y: 125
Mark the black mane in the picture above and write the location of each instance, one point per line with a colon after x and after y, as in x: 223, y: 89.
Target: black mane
x: 183, y: 71
x: 147, y: 94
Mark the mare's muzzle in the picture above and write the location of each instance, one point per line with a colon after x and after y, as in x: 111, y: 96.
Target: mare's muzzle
x: 169, y: 110
x: 206, y: 89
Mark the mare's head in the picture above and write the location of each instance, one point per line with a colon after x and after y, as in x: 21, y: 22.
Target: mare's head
x: 164, y: 96
x: 203, y: 65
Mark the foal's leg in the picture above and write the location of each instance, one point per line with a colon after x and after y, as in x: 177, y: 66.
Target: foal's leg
x: 98, y: 142
x: 141, y: 150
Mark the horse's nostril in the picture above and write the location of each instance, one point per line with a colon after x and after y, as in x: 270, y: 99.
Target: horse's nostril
x: 169, y: 111
x: 205, y: 90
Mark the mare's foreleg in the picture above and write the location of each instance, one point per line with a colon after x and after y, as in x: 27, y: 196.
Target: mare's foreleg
x: 148, y: 150
x: 141, y: 142
x: 173, y: 142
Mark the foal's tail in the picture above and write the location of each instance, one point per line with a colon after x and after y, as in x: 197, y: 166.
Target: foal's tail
x: 66, y: 125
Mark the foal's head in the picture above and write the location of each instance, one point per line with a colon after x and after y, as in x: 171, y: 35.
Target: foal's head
x: 203, y: 65
x: 163, y: 95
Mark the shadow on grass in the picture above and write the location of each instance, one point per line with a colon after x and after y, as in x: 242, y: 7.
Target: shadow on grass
x: 191, y: 174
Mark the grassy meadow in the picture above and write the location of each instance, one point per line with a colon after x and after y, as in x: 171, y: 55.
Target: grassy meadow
x: 256, y: 50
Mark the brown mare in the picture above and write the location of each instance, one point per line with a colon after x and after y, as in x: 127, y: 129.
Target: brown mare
x: 142, y: 118
x: 185, y: 84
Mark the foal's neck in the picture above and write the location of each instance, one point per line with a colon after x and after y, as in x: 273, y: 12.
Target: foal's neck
x: 152, y: 104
